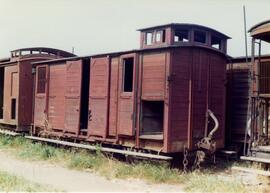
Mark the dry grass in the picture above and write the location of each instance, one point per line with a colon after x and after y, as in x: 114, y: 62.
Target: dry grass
x: 12, y: 183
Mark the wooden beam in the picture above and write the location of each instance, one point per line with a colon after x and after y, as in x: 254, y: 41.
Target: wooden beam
x: 6, y: 132
x: 103, y: 149
x: 255, y: 159
x: 251, y: 170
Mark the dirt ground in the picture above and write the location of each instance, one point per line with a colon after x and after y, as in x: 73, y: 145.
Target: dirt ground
x: 63, y: 179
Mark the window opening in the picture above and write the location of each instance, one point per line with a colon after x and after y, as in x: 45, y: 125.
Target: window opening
x: 216, y: 42
x: 152, y: 117
x: 84, y: 113
x: 200, y: 37
x: 128, y: 65
x: 13, y: 108
x: 149, y: 38
x: 181, y: 36
x: 160, y: 36
x: 41, y: 83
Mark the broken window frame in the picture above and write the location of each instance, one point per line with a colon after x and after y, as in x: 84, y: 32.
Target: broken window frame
x: 178, y: 41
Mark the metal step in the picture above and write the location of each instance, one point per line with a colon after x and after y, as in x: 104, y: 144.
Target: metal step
x: 251, y: 170
x: 264, y: 148
x: 255, y: 159
x: 261, y: 152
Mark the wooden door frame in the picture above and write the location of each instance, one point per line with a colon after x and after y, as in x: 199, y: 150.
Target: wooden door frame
x: 132, y: 94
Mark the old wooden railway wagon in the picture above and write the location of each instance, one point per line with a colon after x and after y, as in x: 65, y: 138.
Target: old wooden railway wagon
x: 257, y: 138
x: 238, y: 76
x: 154, y: 98
x: 16, y: 85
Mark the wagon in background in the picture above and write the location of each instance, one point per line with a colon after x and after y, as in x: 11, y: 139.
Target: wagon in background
x: 17, y: 83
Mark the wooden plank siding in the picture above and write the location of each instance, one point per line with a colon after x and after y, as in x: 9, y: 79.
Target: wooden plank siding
x: 126, y: 101
x: 179, y: 99
x: 11, y: 88
x: 73, y: 96
x: 26, y: 79
x: 56, y: 98
x: 114, y: 86
x: 192, y: 69
x: 184, y: 81
x: 40, y: 105
x: 154, y: 76
x: 237, y: 101
x: 60, y: 103
x: 98, y: 96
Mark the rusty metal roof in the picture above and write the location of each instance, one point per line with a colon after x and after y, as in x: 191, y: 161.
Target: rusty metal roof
x: 185, y: 25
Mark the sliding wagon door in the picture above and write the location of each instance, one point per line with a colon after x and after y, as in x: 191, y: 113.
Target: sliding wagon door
x: 72, y: 96
x: 41, y: 95
x: 98, y: 96
x: 126, y: 105
x: 56, y: 99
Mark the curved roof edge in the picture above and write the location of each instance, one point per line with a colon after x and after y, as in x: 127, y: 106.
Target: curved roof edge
x: 118, y: 53
x: 258, y: 25
x: 48, y: 50
x: 185, y: 24
x: 261, y: 31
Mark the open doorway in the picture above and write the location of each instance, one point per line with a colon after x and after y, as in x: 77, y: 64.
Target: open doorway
x: 2, y: 78
x: 84, y: 114
x: 152, y: 118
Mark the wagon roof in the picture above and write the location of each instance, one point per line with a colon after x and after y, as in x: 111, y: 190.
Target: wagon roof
x: 4, y: 60
x: 185, y: 25
x: 112, y: 54
x: 261, y: 31
x: 60, y: 59
x: 46, y: 49
x: 243, y: 58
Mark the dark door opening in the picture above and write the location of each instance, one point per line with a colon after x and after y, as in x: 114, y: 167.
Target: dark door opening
x: 84, y: 114
x: 13, y: 108
x: 2, y: 78
x: 152, y: 117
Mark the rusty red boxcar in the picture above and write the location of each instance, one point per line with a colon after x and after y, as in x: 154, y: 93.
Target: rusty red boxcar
x: 16, y: 84
x: 154, y: 98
